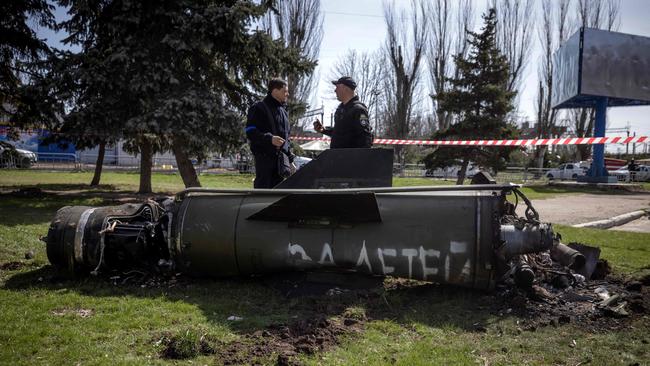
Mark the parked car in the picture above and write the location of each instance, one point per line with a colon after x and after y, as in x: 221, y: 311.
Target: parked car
x: 642, y: 174
x: 452, y: 172
x: 10, y: 156
x: 567, y: 171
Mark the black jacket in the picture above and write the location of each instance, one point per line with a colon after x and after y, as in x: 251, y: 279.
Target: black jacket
x: 351, y: 126
x: 259, y: 131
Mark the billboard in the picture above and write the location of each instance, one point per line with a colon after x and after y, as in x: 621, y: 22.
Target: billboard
x: 596, y: 63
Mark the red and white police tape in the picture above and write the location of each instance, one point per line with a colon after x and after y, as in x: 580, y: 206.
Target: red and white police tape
x: 528, y: 142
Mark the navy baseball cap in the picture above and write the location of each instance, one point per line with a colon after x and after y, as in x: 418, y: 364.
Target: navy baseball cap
x: 347, y: 81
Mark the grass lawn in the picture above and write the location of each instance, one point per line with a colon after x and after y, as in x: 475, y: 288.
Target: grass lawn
x: 47, y: 318
x: 164, y: 183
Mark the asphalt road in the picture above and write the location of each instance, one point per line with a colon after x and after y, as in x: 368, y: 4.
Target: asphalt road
x: 583, y: 208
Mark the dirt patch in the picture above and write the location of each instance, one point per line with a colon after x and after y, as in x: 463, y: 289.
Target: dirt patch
x: 12, y: 266
x: 280, y: 342
x: 306, y: 336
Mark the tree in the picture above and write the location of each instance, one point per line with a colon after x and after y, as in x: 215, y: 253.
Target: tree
x: 448, y: 25
x: 21, y: 57
x: 174, y: 75
x: 515, y: 27
x: 481, y: 100
x: 405, y: 50
x: 367, y: 69
x: 299, y: 23
x: 553, y: 31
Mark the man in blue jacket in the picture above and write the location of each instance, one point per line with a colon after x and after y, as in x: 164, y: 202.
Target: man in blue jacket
x: 267, y: 129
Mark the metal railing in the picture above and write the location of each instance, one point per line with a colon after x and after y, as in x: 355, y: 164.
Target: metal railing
x: 86, y: 162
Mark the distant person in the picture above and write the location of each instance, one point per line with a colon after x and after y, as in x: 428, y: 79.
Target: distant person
x: 632, y: 168
x: 351, y: 126
x: 267, y: 129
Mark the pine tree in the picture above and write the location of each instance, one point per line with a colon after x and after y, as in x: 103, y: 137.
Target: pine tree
x: 169, y: 75
x: 480, y: 100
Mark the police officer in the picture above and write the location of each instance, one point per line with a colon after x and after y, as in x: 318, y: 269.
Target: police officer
x: 267, y: 129
x: 351, y: 126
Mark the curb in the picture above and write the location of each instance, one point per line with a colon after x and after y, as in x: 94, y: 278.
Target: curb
x: 614, y: 221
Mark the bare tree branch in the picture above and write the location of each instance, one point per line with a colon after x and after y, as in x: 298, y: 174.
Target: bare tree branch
x: 552, y: 32
x: 300, y: 24
x: 405, y: 49
x: 368, y: 70
x: 515, y: 27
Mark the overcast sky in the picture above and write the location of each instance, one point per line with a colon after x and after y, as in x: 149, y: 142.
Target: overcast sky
x: 359, y: 25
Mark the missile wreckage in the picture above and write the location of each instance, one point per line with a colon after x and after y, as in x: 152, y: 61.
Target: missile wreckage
x: 468, y: 236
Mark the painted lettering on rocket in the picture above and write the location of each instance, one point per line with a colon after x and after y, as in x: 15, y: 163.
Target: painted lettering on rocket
x: 363, y: 257
x: 410, y: 254
x: 431, y: 261
x: 325, y: 254
x: 424, y: 253
x: 297, y: 249
x: 386, y: 270
x: 456, y: 247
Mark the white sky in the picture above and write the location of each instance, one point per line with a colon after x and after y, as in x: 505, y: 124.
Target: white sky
x: 359, y: 25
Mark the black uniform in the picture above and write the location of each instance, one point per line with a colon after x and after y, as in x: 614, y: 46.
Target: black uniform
x: 351, y: 126
x: 260, y: 132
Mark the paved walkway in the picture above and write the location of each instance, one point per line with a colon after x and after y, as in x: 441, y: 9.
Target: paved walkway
x: 582, y: 208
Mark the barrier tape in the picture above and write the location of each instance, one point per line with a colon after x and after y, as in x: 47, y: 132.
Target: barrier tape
x: 529, y: 142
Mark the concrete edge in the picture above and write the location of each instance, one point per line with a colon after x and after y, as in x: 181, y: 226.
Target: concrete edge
x: 614, y: 221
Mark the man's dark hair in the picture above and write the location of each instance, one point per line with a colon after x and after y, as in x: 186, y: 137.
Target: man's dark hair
x: 276, y: 83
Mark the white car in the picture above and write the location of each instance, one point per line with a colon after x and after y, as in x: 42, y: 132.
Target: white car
x: 641, y: 175
x: 11, y: 156
x: 567, y: 171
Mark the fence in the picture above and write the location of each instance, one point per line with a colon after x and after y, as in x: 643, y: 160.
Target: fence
x: 86, y: 162
x: 511, y: 174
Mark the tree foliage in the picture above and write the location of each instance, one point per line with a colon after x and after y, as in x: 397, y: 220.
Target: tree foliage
x: 21, y: 61
x: 168, y: 75
x: 299, y: 23
x: 480, y: 98
x: 405, y: 48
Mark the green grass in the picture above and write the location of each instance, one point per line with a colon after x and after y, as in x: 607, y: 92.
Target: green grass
x: 628, y: 251
x: 43, y: 313
x: 165, y: 183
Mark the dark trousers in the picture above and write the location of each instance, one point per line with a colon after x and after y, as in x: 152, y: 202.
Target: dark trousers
x: 266, y: 171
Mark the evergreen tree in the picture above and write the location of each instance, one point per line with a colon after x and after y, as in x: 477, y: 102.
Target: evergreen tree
x: 21, y: 62
x: 169, y: 75
x: 480, y: 100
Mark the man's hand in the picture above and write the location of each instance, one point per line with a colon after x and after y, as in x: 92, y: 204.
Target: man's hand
x: 277, y: 141
x: 293, y: 168
x: 318, y: 127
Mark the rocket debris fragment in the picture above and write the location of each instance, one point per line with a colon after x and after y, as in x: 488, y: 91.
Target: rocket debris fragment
x: 460, y: 235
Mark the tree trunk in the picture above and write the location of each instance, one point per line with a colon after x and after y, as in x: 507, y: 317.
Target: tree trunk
x: 462, y: 171
x: 539, y: 156
x: 99, y: 164
x: 146, y: 157
x: 185, y: 167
